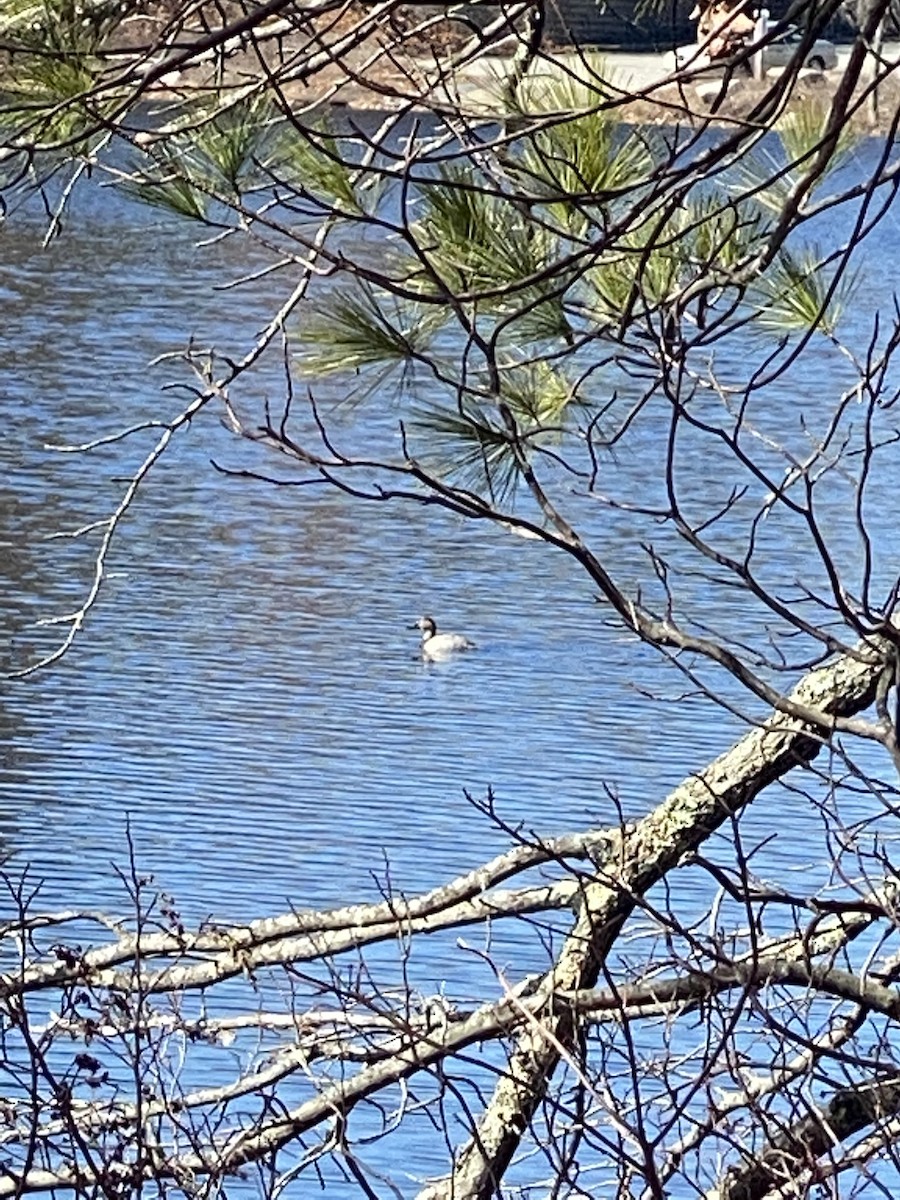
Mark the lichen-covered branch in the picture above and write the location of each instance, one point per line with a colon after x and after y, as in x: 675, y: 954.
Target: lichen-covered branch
x: 646, y: 852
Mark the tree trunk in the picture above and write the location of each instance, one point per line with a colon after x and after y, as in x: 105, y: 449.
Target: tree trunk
x: 639, y: 856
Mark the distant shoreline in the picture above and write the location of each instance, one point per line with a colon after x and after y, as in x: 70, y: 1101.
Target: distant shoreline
x: 367, y: 84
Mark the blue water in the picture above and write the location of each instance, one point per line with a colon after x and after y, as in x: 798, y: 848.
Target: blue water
x: 248, y: 680
x: 246, y: 697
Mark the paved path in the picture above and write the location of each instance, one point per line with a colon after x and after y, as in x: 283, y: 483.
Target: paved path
x: 483, y: 79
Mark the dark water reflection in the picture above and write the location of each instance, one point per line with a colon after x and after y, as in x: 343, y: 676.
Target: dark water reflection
x: 248, y: 694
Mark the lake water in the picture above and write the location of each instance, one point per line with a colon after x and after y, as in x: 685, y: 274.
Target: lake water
x: 247, y: 695
x: 248, y: 692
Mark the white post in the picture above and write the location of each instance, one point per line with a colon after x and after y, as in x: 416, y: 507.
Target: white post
x: 759, y: 32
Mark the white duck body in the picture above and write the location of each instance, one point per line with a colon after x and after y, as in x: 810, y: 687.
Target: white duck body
x: 440, y: 645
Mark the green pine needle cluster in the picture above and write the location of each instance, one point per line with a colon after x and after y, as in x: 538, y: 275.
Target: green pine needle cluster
x: 211, y: 152
x: 51, y: 93
x: 474, y: 238
x: 226, y: 148
x: 318, y: 164
x: 475, y: 241
x: 769, y: 178
x: 579, y: 152
x: 511, y: 250
x: 472, y: 442
x: 546, y: 253
x: 802, y: 132
x: 469, y: 445
x: 799, y: 294
x: 355, y: 328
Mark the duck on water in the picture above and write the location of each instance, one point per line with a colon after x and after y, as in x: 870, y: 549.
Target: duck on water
x: 440, y: 645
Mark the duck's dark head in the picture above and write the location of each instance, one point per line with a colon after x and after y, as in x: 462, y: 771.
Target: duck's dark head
x: 427, y: 625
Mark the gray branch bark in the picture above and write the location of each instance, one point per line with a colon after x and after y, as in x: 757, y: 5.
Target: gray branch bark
x: 646, y: 852
x: 822, y: 1129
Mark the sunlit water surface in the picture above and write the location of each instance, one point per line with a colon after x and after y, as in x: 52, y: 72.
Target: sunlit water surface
x: 247, y: 698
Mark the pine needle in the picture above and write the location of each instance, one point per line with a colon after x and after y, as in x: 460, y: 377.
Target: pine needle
x: 356, y: 328
x: 794, y: 296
